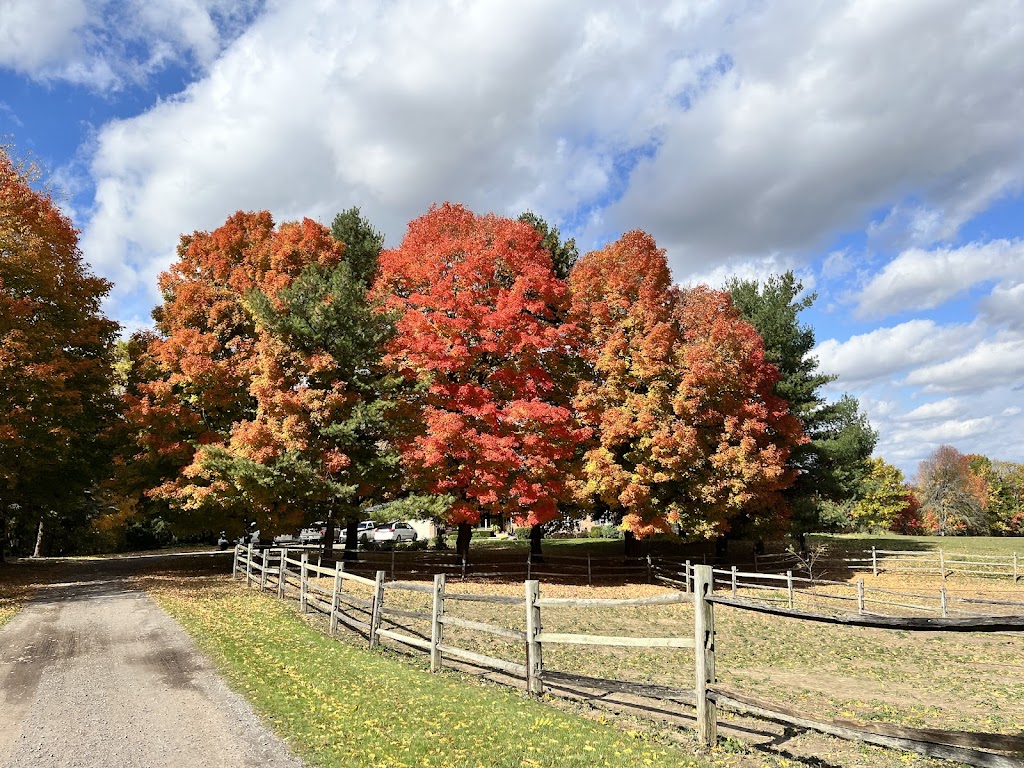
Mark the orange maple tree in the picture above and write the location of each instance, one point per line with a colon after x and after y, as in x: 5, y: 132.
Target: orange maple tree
x: 56, y: 355
x: 206, y: 370
x: 479, y: 310
x: 680, y: 399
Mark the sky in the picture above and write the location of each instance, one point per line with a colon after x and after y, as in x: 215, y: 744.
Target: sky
x: 874, y: 148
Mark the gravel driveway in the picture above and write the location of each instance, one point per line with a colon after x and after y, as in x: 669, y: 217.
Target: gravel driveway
x: 94, y: 673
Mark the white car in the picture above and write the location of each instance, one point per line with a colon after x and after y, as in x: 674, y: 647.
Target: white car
x: 364, y: 532
x: 314, y: 534
x: 395, y: 532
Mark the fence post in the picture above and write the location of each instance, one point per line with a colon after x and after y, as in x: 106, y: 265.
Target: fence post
x: 335, y: 597
x: 303, y: 581
x: 942, y: 564
x: 734, y: 581
x: 234, y: 562
x: 704, y: 652
x: 942, y: 600
x: 248, y: 567
x: 590, y: 578
x: 263, y: 569
x: 436, y: 625
x: 650, y: 578
x: 529, y: 566
x: 687, y: 576
x: 860, y: 595
x: 756, y: 568
x: 377, y: 608
x: 534, y: 652
x: 463, y: 567
x: 282, y: 571
x: 1014, y: 567
x: 789, y: 587
x: 874, y: 562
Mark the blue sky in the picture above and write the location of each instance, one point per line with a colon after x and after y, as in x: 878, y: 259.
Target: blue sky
x: 874, y: 148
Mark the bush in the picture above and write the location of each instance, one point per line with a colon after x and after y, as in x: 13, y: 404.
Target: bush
x: 521, y: 532
x: 483, y: 533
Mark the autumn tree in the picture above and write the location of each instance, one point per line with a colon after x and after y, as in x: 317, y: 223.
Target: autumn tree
x: 953, y: 498
x: 884, y: 498
x: 56, y: 355
x: 204, y: 363
x: 478, y: 333
x: 832, y: 464
x: 687, y: 428
x: 1004, y: 485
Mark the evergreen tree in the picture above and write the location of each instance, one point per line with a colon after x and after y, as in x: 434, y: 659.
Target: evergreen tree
x: 835, y: 461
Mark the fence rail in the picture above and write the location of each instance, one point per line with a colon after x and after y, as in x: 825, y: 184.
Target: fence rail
x: 700, y: 582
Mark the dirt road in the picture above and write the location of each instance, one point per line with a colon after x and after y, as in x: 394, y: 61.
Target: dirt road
x: 93, y: 673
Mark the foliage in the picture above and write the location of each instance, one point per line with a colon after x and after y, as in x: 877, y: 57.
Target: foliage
x: 480, y: 339
x: 564, y: 255
x: 679, y: 397
x: 363, y: 244
x: 953, y: 498
x: 833, y: 463
x: 204, y: 370
x: 1004, y: 483
x: 56, y: 363
x: 884, y: 498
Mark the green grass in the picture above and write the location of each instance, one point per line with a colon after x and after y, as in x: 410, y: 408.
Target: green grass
x: 978, y: 545
x: 339, y: 705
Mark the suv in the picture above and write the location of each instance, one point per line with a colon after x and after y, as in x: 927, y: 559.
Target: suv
x: 395, y: 531
x: 364, y: 532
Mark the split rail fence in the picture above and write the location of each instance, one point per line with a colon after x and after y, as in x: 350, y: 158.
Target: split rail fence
x: 279, y: 571
x: 938, y: 563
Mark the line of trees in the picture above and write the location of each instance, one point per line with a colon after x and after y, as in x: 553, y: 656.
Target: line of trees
x: 482, y: 367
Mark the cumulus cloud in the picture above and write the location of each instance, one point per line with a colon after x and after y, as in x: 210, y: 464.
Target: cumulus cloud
x: 990, y: 363
x: 108, y: 44
x: 885, y: 352
x: 940, y: 409
x: 1005, y: 305
x: 923, y: 279
x: 729, y: 132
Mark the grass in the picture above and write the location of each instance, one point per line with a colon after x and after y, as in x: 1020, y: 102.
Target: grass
x: 972, y: 545
x: 340, y: 705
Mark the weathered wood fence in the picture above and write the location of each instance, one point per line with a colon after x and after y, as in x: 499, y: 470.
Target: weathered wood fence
x: 289, y: 576
x: 938, y: 563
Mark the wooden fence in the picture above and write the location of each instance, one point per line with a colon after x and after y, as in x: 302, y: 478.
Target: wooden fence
x: 279, y: 571
x: 938, y: 563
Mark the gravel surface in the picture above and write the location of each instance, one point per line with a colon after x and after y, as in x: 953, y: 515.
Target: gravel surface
x: 94, y: 673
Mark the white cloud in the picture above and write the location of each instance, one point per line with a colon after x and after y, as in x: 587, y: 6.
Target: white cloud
x: 940, y: 409
x: 729, y: 132
x: 1005, y: 305
x: 107, y: 44
x: 886, y: 352
x: 989, y: 364
x: 921, y: 279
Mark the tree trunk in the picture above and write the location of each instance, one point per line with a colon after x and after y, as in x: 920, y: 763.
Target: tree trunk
x: 465, y: 535
x: 721, y: 548
x: 351, y: 542
x: 631, y: 545
x: 3, y: 532
x: 38, y: 551
x: 328, y: 542
x: 536, y: 534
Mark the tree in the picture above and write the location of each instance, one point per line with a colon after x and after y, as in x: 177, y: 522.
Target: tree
x: 680, y: 399
x: 833, y: 463
x: 1004, y: 483
x: 564, y: 254
x: 206, y: 370
x: 56, y: 358
x: 363, y: 244
x: 884, y: 498
x: 478, y: 334
x: 953, y: 498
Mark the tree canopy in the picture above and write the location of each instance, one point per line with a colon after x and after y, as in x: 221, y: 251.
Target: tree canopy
x: 56, y: 358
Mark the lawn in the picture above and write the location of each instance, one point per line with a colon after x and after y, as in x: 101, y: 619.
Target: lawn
x: 971, y: 545
x: 341, y: 705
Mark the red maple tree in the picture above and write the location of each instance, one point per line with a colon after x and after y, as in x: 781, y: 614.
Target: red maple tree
x: 479, y: 313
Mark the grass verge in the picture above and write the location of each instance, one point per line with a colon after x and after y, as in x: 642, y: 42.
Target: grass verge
x: 339, y: 705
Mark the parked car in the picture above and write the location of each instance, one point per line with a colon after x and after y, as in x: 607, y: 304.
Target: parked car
x: 314, y: 533
x: 395, y: 531
x: 364, y: 532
